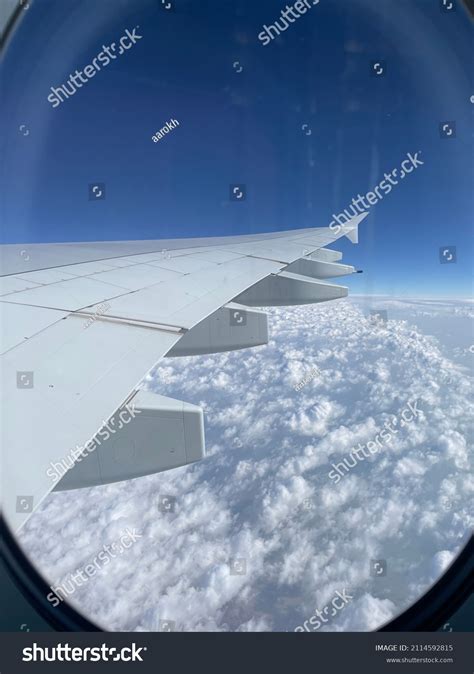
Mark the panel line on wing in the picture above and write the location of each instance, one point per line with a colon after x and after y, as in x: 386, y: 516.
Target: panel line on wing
x: 163, y: 327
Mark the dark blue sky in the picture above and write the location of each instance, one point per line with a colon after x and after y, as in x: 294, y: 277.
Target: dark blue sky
x: 246, y: 128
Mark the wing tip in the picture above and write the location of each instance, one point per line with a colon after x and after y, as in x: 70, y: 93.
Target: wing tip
x: 352, y: 227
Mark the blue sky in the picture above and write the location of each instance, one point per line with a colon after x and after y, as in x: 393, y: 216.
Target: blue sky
x: 246, y: 128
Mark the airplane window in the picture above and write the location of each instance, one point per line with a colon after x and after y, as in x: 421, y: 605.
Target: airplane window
x: 273, y: 452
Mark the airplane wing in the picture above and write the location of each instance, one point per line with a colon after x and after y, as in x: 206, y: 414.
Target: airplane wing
x: 82, y: 324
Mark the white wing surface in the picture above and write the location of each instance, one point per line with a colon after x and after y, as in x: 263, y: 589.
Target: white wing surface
x: 82, y: 324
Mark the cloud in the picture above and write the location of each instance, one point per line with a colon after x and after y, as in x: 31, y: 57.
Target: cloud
x: 367, y: 613
x: 260, y: 535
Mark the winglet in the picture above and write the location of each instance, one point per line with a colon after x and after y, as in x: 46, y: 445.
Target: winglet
x: 352, y: 230
x: 353, y: 234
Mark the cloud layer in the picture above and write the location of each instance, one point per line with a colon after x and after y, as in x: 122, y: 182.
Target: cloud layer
x: 261, y: 537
